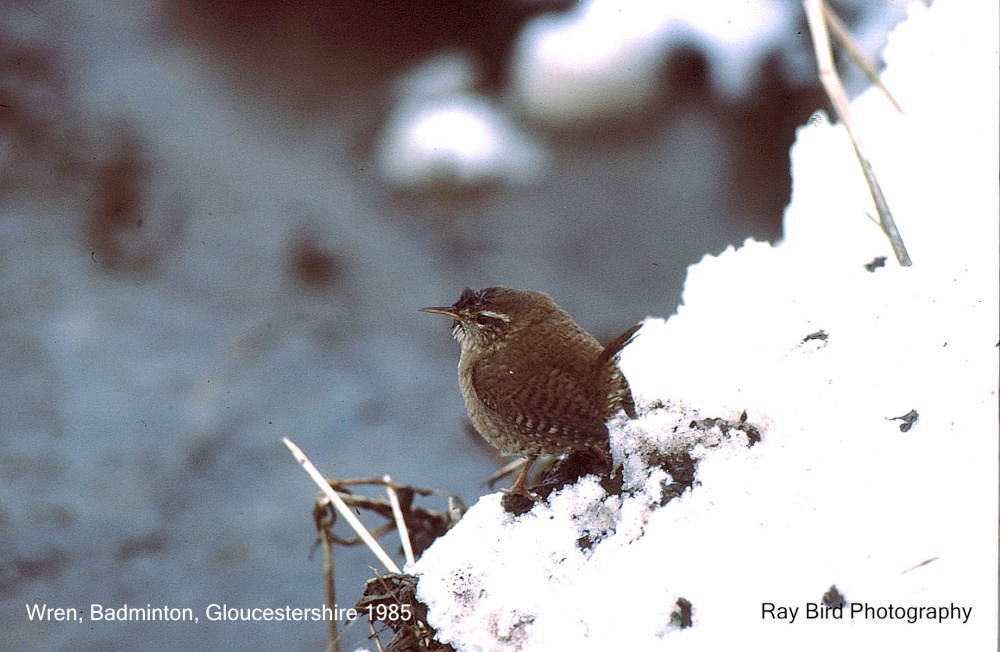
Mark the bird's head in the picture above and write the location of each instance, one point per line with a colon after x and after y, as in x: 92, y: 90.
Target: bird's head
x: 486, y: 317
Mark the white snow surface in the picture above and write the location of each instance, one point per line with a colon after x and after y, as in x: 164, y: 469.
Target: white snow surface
x: 442, y: 131
x: 603, y: 58
x: 835, y: 494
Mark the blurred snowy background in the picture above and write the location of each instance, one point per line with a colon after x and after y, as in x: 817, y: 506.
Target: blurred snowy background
x: 218, y: 221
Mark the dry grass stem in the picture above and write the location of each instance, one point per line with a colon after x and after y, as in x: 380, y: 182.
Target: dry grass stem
x: 397, y: 514
x: 342, y: 507
x: 816, y: 14
x: 857, y: 56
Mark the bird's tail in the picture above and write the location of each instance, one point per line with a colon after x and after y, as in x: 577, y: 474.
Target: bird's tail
x: 620, y: 396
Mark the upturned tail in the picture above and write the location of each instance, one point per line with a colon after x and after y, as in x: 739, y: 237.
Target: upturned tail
x: 620, y: 394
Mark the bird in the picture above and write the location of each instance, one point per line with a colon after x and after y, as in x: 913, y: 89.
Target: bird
x: 534, y: 381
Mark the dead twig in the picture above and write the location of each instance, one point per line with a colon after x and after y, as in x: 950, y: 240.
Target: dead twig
x: 323, y: 517
x: 422, y: 526
x: 344, y: 510
x: 417, y: 527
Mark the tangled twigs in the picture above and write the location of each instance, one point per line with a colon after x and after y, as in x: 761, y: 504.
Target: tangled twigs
x: 423, y: 525
x: 418, y: 528
x: 338, y: 502
x: 392, y: 600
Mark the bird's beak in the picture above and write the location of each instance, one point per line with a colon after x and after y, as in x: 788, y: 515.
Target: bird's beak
x: 444, y: 310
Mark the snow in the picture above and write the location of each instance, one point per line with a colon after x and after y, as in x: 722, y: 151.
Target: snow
x: 823, y: 355
x: 442, y: 131
x: 603, y: 58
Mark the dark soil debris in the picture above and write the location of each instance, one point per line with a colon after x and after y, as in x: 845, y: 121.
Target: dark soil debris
x: 681, y: 616
x: 681, y: 468
x: 742, y: 425
x: 517, y: 504
x: 908, y: 420
x: 834, y: 598
x: 878, y: 261
x: 820, y: 335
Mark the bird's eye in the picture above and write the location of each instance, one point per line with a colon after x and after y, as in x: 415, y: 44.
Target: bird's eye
x: 488, y: 320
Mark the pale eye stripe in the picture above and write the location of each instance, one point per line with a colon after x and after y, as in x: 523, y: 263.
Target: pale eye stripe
x: 495, y: 315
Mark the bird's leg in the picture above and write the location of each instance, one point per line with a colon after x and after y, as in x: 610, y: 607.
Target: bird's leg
x: 519, y: 485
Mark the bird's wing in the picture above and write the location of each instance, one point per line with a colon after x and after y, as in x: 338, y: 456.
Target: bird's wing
x: 541, y: 400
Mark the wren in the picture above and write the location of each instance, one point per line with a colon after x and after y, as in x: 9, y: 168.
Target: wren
x: 534, y: 382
